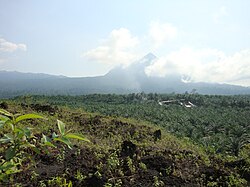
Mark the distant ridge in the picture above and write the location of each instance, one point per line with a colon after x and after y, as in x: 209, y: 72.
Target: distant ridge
x: 18, y: 75
x: 119, y: 80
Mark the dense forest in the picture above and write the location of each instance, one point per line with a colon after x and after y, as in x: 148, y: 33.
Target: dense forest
x: 134, y: 140
x: 218, y: 122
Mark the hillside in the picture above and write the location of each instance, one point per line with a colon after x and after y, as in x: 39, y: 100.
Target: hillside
x: 218, y: 122
x: 121, y: 152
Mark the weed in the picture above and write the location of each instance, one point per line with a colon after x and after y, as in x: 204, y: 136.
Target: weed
x: 236, y: 181
x: 59, y: 181
x: 42, y: 184
x: 108, y: 185
x: 33, y: 175
x: 113, y: 161
x: 79, y: 176
x: 157, y: 182
x: 60, y: 157
x: 143, y: 166
x: 131, y: 165
x: 169, y: 170
x: 212, y: 183
x: 118, y: 183
x: 98, y: 174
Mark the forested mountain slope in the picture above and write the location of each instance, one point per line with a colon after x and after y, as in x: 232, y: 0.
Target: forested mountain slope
x: 118, y: 80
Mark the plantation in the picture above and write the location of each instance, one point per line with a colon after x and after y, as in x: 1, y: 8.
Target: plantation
x: 125, y: 140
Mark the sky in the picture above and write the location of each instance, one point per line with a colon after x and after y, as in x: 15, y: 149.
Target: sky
x: 203, y: 40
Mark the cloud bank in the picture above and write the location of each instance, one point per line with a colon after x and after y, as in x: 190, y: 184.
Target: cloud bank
x: 204, y: 65
x: 6, y: 46
x: 118, y: 48
x: 194, y: 65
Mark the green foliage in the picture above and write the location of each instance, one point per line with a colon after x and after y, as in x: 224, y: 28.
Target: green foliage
x: 16, y: 142
x: 59, y: 181
x: 143, y: 166
x: 63, y: 136
x: 130, y: 165
x: 236, y: 181
x: 219, y: 123
x: 158, y: 182
x: 79, y: 176
x: 113, y: 161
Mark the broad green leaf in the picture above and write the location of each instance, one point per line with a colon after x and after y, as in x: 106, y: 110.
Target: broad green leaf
x: 4, y: 120
x: 10, y: 153
x: 12, y: 126
x: 5, y: 112
x: 23, y: 131
x: 6, y: 166
x: 27, y: 132
x: 49, y: 144
x: 28, y: 116
x: 76, y: 136
x: 61, y: 127
x: 36, y: 150
x: 18, y: 130
x: 6, y: 138
x: 64, y: 140
x: 1, y: 124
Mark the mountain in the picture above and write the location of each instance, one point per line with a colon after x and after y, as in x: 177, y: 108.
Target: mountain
x: 14, y: 75
x: 119, y: 80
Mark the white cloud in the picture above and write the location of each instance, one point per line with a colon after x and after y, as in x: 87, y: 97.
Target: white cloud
x: 121, y: 47
x: 194, y: 65
x: 161, y: 32
x: 6, y: 46
x: 222, y: 12
x: 204, y: 65
x: 118, y: 48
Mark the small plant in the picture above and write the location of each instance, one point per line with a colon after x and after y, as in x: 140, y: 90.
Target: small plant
x: 79, y: 176
x: 114, y: 183
x: 63, y: 136
x: 60, y: 157
x: 143, y: 166
x: 157, y: 182
x: 18, y: 142
x: 42, y: 184
x: 15, y: 142
x: 212, y: 183
x: 118, y: 183
x: 33, y: 175
x: 108, y: 185
x: 59, y: 181
x: 236, y: 181
x: 113, y: 161
x: 168, y: 170
x: 130, y: 165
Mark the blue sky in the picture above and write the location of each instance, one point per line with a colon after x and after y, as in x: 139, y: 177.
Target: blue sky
x: 205, y: 40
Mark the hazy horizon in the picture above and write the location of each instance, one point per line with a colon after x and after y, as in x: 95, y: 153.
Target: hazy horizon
x: 206, y: 41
